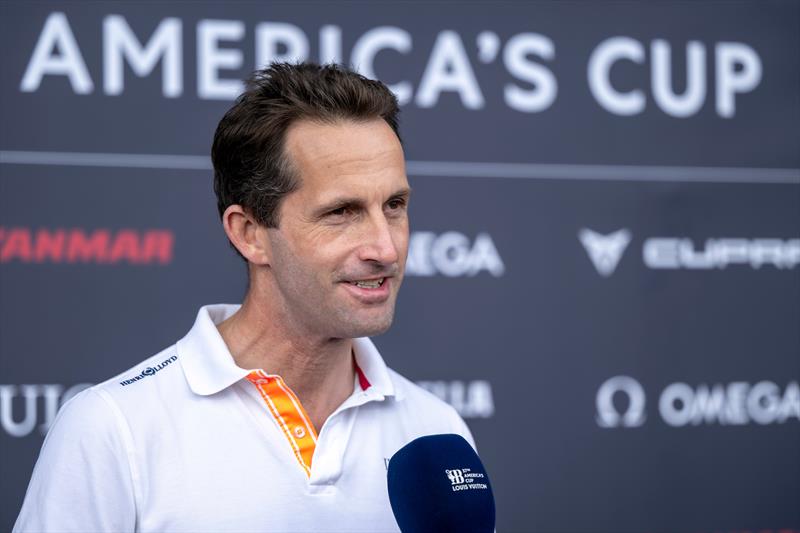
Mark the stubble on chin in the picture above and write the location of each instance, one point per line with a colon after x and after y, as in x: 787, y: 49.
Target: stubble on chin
x: 351, y: 324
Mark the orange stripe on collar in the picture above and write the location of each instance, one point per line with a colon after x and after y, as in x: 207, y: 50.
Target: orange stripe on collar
x: 287, y: 411
x: 292, y: 419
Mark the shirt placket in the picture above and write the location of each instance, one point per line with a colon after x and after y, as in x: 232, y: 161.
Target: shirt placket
x: 287, y: 412
x: 320, y: 459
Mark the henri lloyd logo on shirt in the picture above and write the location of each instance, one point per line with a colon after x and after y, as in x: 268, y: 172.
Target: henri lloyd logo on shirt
x: 149, y: 371
x: 465, y: 479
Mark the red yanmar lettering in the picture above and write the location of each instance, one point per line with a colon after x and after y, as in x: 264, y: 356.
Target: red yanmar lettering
x: 75, y: 245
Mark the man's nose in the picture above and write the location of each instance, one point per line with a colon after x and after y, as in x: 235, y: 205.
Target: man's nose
x: 379, y: 244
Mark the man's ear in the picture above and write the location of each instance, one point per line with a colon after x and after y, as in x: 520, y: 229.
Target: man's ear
x: 246, y: 234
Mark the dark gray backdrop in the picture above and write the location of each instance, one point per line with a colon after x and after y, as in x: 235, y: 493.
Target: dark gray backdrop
x: 611, y: 300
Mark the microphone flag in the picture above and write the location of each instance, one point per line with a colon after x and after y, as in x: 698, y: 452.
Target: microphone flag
x: 437, y: 483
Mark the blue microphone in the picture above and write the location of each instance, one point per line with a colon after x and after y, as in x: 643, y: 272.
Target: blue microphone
x: 437, y: 484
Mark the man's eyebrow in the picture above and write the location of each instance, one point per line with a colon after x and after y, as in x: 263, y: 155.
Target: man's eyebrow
x: 338, y: 203
x: 354, y: 203
x: 335, y: 204
x: 405, y: 192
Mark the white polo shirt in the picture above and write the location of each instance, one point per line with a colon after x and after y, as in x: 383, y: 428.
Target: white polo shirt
x: 188, y: 441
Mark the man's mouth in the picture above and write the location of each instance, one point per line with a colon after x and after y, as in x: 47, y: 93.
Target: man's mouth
x: 368, y: 283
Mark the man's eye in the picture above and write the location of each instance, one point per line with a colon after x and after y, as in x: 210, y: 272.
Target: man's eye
x: 397, y: 203
x: 338, y: 212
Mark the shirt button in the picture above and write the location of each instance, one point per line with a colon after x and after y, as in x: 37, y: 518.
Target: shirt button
x: 299, y: 432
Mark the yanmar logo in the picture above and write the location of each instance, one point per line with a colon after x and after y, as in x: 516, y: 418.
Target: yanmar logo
x: 465, y: 479
x: 75, y: 245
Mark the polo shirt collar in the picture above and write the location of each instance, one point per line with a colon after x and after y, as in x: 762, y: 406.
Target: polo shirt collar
x: 371, y: 363
x: 207, y: 363
x: 209, y: 366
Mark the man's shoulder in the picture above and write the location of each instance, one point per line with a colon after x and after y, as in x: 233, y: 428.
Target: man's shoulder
x: 137, y: 384
x: 131, y: 399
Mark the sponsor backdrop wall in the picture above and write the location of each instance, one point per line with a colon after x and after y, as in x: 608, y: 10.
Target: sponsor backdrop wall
x: 604, y: 270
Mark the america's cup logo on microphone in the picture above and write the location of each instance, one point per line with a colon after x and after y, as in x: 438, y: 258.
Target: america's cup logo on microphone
x: 465, y: 479
x: 456, y: 477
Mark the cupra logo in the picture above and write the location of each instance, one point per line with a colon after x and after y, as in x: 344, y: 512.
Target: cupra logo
x: 605, y: 251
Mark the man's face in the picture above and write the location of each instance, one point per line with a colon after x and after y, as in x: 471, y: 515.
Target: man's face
x: 338, y: 254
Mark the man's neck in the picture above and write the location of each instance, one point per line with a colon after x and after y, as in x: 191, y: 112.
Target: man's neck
x: 320, y: 371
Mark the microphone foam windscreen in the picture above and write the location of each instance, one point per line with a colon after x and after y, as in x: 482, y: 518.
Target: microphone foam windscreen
x: 438, y: 484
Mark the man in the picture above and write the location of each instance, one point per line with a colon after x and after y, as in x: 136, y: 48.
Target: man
x: 278, y: 415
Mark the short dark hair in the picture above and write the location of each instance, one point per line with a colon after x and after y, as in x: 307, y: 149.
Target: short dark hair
x: 251, y: 167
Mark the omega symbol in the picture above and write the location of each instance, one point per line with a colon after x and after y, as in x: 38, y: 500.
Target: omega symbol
x: 607, y: 414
